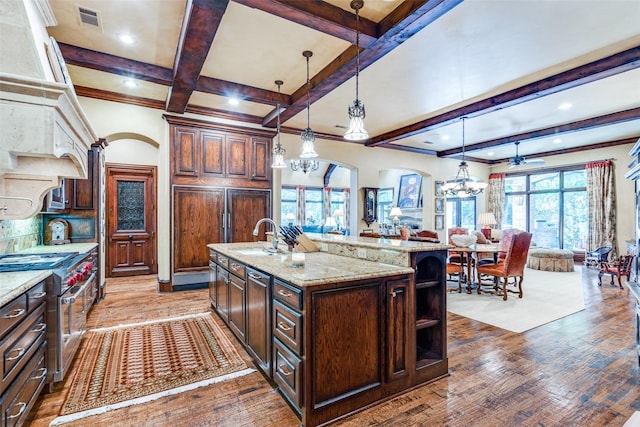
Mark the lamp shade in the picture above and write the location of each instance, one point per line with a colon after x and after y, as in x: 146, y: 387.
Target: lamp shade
x: 330, y: 222
x: 338, y: 213
x: 487, y: 218
x: 395, y: 211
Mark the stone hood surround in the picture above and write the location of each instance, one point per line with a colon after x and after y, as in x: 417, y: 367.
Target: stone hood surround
x: 44, y: 134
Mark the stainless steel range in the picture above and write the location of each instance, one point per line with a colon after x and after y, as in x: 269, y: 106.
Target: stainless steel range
x: 71, y: 291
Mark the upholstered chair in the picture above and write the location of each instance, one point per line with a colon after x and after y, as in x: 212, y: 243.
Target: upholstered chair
x: 620, y: 267
x: 512, y: 266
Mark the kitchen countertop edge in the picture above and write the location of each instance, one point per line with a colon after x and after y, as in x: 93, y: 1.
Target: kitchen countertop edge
x: 15, y: 283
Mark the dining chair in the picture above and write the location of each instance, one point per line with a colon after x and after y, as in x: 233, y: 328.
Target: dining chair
x: 456, y: 257
x: 619, y: 267
x: 598, y: 256
x: 512, y: 266
x: 456, y: 270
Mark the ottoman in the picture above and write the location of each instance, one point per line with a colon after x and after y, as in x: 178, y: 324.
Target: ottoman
x: 550, y: 259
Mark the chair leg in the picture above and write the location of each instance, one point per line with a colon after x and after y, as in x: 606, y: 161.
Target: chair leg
x: 504, y: 288
x: 519, y: 280
x: 599, y: 279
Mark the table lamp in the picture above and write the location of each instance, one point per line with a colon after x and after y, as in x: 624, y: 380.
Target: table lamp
x: 395, y: 213
x: 330, y: 222
x: 338, y: 215
x: 487, y: 219
x: 290, y: 217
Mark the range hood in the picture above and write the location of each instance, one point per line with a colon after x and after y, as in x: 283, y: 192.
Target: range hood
x: 44, y: 134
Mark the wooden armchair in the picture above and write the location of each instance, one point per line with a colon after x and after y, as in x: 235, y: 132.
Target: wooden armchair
x: 456, y: 257
x: 512, y: 266
x: 620, y: 267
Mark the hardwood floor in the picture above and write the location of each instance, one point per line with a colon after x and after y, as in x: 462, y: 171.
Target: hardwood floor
x: 581, y: 370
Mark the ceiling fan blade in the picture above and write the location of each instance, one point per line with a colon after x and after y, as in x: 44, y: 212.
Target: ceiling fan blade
x: 533, y: 161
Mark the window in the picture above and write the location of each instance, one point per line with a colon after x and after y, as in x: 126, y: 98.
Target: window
x: 551, y: 204
x: 461, y: 212
x: 288, y: 205
x: 337, y: 204
x: 313, y: 206
x: 385, y: 201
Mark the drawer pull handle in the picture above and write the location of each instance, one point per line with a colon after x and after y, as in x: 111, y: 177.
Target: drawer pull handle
x: 40, y: 376
x: 283, y: 293
x: 235, y: 267
x: 284, y: 371
x: 22, y: 406
x: 18, y: 350
x: 284, y: 326
x: 41, y: 327
x: 14, y: 313
x: 256, y: 276
x: 39, y: 295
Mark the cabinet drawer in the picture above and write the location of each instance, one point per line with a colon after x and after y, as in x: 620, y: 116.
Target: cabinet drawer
x: 24, y: 391
x: 287, y: 326
x: 236, y: 268
x: 12, y: 313
x: 287, y: 294
x: 287, y: 372
x: 222, y: 261
x: 20, y: 344
x: 35, y: 296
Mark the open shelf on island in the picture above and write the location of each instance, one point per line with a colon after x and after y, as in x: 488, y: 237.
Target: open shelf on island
x: 425, y: 323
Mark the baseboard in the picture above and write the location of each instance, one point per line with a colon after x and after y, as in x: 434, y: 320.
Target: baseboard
x: 190, y: 286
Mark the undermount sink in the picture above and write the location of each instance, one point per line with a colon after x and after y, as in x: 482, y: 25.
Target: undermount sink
x: 258, y: 251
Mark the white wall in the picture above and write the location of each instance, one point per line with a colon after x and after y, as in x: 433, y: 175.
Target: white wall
x: 370, y: 167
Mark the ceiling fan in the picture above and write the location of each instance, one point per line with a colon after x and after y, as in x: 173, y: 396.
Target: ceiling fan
x: 519, y: 160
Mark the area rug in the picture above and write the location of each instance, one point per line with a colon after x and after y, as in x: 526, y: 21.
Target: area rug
x: 547, y: 296
x: 134, y: 364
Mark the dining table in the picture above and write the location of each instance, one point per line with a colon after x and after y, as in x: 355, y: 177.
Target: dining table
x: 472, y: 252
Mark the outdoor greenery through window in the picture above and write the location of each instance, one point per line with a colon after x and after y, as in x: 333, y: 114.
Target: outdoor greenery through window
x: 461, y: 212
x: 313, y: 205
x: 385, y: 201
x: 551, y: 205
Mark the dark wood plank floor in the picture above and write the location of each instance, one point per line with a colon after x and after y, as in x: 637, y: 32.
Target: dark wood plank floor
x: 581, y: 370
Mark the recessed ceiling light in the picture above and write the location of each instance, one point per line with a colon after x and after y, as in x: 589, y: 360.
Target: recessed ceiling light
x: 130, y: 83
x: 126, y: 38
x: 445, y: 137
x: 565, y: 106
x: 490, y: 153
x: 233, y: 101
x: 557, y: 141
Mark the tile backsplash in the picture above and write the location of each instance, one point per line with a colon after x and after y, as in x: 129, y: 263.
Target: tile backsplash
x: 20, y: 234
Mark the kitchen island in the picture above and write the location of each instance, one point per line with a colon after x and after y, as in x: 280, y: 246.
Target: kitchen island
x: 362, y: 321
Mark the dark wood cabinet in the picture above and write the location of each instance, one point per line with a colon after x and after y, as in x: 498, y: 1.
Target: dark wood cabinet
x: 258, y: 312
x: 237, y: 305
x: 221, y: 180
x: 397, y: 328
x: 198, y: 220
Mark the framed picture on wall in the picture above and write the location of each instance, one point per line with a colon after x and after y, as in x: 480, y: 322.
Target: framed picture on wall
x: 409, y: 191
x: 439, y: 222
x: 438, y: 189
x: 439, y: 205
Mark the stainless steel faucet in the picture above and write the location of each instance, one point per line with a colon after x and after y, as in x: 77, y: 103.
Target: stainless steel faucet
x: 274, y: 229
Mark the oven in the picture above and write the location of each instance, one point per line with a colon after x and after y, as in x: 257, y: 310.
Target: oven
x: 71, y: 292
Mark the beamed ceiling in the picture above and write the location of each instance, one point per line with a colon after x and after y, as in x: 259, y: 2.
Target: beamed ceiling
x: 506, y: 66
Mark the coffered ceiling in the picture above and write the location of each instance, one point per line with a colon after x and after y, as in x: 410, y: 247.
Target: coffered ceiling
x: 507, y: 66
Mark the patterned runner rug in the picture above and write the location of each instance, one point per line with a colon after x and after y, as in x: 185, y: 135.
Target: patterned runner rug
x: 133, y: 364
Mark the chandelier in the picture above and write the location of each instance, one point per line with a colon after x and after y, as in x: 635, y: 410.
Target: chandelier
x: 356, y: 131
x: 304, y: 165
x: 307, y: 135
x: 278, y: 151
x: 463, y: 185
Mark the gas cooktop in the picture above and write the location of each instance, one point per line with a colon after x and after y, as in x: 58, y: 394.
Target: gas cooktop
x: 25, y: 262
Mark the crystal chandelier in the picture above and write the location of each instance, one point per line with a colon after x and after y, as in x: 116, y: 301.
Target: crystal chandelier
x: 463, y: 185
x: 278, y: 151
x: 304, y: 165
x: 307, y: 135
x: 356, y: 131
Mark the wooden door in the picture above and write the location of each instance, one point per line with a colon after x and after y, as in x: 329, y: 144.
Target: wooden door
x: 131, y: 220
x: 245, y: 208
x: 197, y: 221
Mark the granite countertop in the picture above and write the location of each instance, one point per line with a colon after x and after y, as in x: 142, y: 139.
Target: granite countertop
x: 380, y: 243
x: 320, y: 267
x: 14, y: 283
x: 69, y: 247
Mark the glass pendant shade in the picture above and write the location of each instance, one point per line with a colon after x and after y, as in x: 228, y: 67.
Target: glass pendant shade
x: 308, y: 149
x: 463, y: 185
x: 278, y: 151
x: 356, y: 131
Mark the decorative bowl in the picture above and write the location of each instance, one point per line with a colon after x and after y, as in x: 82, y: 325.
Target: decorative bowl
x: 464, y: 240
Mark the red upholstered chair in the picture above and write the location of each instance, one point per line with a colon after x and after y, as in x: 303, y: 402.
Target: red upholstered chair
x: 455, y: 257
x: 456, y: 270
x: 428, y: 234
x: 620, y: 267
x: 512, y: 266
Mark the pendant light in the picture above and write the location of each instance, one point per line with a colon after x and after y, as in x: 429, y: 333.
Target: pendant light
x: 463, y: 185
x: 307, y: 135
x: 278, y: 151
x: 304, y: 165
x: 356, y: 131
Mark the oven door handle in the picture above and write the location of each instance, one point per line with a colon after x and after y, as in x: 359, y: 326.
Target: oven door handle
x: 71, y: 299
